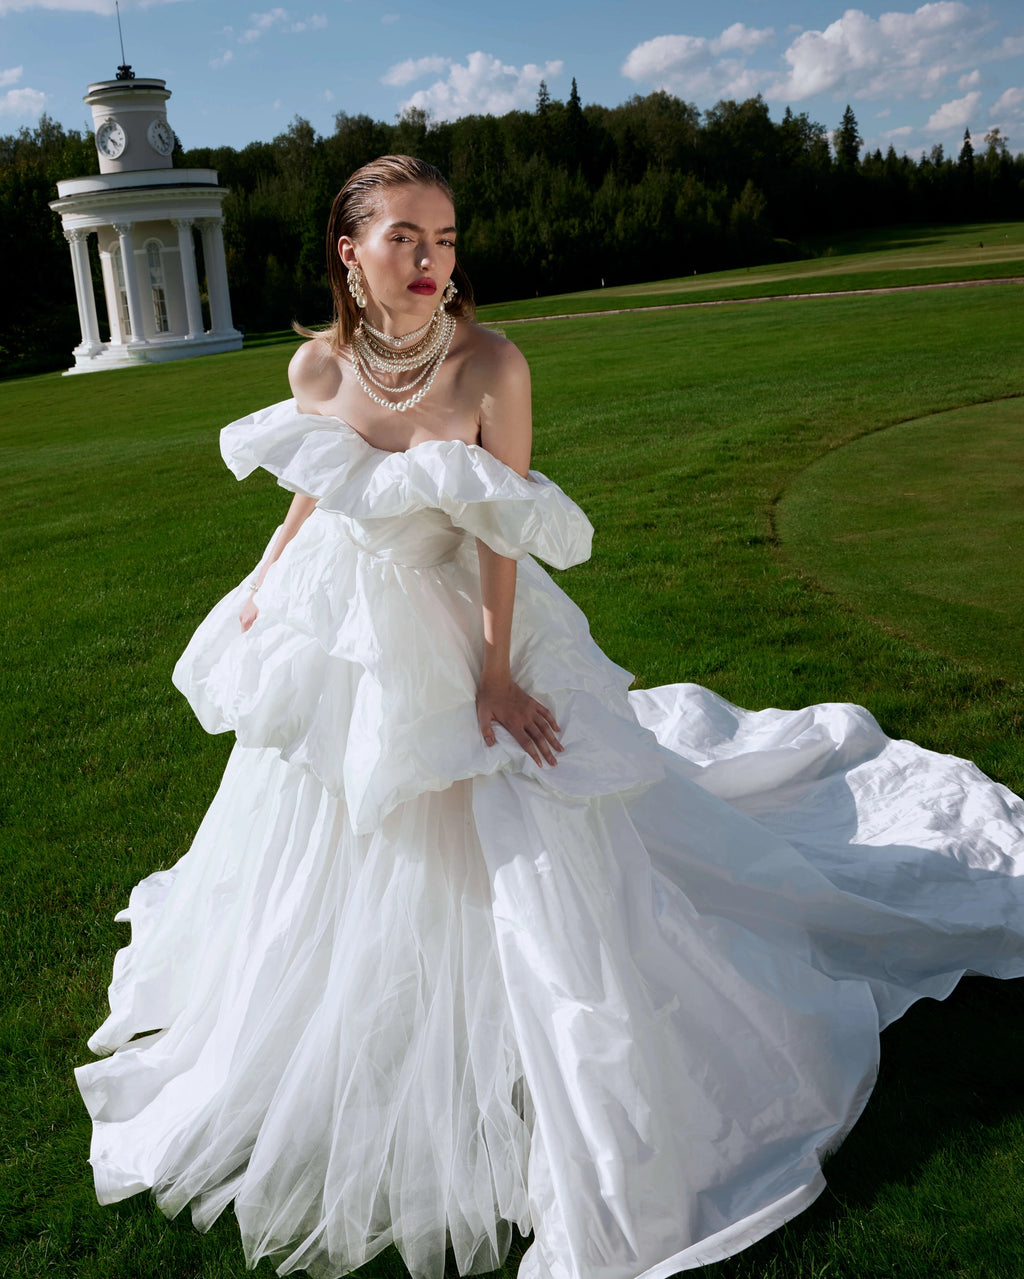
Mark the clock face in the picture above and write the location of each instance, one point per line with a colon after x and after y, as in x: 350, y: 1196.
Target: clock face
x: 161, y: 137
x: 110, y: 139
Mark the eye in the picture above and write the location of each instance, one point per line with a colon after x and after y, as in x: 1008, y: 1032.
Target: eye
x: 447, y: 244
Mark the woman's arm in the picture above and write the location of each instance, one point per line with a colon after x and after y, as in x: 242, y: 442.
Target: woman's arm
x: 506, y: 431
x: 299, y: 511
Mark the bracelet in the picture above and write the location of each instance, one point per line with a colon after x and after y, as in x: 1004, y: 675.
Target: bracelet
x: 255, y: 587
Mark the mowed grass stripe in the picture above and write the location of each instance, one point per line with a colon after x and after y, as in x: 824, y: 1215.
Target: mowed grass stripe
x: 886, y: 258
x: 922, y: 527
x: 677, y: 432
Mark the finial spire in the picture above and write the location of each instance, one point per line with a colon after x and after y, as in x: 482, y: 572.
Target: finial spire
x: 124, y: 71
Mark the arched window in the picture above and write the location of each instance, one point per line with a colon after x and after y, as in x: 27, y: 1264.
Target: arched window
x: 155, y: 262
x: 122, y: 295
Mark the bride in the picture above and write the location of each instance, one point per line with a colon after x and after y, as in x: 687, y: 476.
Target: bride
x: 472, y: 937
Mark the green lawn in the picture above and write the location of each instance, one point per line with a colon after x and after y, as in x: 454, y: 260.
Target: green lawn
x: 891, y: 258
x: 691, y: 438
x: 922, y: 527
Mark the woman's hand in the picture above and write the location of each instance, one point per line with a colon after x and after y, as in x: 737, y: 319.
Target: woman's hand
x: 531, y: 724
x: 249, y: 613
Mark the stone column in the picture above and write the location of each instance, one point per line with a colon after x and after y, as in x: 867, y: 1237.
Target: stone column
x: 78, y: 239
x: 131, y: 281
x: 216, y: 275
x: 189, y: 275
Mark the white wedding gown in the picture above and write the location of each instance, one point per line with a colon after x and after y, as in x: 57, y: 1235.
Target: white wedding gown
x: 407, y: 988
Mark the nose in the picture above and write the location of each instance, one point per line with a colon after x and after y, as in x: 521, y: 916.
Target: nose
x: 424, y: 257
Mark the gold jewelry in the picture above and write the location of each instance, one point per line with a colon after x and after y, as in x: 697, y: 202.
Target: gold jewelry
x: 449, y: 294
x: 387, y: 360
x: 355, y: 286
x: 391, y: 340
x: 430, y: 353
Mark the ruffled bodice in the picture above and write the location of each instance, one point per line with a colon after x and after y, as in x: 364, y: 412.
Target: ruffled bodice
x: 446, y: 485
x: 371, y: 617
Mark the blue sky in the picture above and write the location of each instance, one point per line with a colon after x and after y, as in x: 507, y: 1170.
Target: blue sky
x: 915, y: 76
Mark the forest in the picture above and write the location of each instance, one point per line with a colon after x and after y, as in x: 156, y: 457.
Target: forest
x: 559, y: 198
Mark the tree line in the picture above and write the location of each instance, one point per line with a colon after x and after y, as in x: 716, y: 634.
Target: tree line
x: 558, y: 198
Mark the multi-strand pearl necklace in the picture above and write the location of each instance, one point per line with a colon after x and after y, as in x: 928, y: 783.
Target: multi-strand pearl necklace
x: 372, y: 349
x: 396, y: 341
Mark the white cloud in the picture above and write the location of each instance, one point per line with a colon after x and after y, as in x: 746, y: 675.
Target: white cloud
x: 693, y: 66
x: 222, y: 60
x: 11, y: 76
x: 482, y: 86
x: 315, y: 22
x: 279, y: 19
x: 868, y: 57
x: 327, y: 95
x: 925, y: 52
x: 389, y: 19
x: 22, y: 102
x: 262, y: 23
x: 665, y: 56
x: 1008, y: 111
x: 413, y: 68
x: 955, y: 114
x: 1012, y: 100
x: 744, y: 39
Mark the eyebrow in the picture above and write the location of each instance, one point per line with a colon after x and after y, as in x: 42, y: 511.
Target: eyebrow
x: 411, y: 226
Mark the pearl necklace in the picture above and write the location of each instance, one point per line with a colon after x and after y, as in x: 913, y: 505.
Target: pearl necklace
x: 394, y: 390
x: 385, y: 360
x: 392, y: 340
x: 439, y: 349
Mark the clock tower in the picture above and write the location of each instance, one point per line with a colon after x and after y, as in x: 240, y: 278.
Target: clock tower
x: 159, y: 237
x: 129, y: 121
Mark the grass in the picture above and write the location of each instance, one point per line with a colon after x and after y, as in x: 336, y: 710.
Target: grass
x: 891, y: 258
x: 688, y: 436
x: 922, y: 527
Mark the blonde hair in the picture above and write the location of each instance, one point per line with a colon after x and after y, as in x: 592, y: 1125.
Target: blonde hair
x: 354, y: 206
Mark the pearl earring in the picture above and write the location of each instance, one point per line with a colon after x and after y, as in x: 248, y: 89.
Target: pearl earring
x: 449, y: 294
x: 355, y: 286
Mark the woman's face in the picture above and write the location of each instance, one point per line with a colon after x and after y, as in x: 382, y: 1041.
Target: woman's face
x: 407, y: 252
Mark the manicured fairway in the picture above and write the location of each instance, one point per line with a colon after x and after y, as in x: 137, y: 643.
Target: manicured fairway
x: 890, y: 258
x: 922, y: 527
x: 680, y: 433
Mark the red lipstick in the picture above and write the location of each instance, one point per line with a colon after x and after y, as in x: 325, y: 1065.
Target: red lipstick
x: 426, y: 286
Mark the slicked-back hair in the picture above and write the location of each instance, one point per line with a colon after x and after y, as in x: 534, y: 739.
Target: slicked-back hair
x: 355, y: 205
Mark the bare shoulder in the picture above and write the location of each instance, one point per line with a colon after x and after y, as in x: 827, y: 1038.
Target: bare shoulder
x: 501, y: 382
x: 495, y: 355
x: 314, y: 373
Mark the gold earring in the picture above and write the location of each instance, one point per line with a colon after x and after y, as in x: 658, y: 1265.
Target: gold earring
x: 355, y: 286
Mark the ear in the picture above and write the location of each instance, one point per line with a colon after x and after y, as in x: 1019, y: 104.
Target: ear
x: 347, y: 251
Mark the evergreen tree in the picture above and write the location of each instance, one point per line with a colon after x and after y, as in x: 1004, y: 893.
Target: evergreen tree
x: 575, y: 133
x: 847, y: 141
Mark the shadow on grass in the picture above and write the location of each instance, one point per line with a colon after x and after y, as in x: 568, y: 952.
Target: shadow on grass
x: 933, y: 1118
x: 898, y: 237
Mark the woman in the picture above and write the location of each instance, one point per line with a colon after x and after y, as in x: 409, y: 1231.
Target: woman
x: 470, y: 936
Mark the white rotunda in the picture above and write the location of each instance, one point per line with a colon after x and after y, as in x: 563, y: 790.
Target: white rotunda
x: 145, y: 216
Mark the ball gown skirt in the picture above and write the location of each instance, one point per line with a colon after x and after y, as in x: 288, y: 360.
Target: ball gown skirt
x: 405, y: 988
